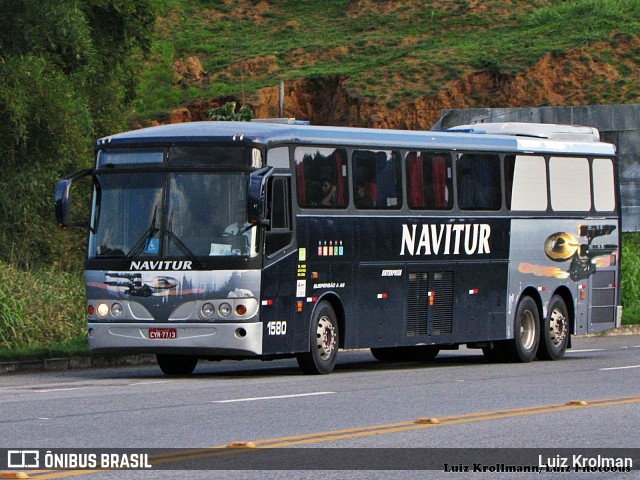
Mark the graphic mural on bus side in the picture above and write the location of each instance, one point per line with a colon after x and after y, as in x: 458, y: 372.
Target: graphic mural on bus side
x: 161, y: 292
x: 578, y: 249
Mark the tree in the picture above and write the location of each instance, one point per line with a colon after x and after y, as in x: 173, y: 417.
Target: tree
x: 67, y: 76
x: 227, y: 112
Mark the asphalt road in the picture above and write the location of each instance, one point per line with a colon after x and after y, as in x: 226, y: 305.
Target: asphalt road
x: 458, y: 400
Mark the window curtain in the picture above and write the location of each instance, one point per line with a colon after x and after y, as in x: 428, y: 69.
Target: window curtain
x: 439, y: 171
x: 340, y: 186
x: 416, y: 179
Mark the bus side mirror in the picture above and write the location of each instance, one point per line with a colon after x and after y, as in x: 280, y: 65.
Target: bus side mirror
x: 63, y: 199
x: 257, y: 196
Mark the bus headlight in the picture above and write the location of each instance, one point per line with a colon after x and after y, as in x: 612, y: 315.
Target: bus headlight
x: 224, y: 309
x: 116, y: 309
x: 207, y: 310
x: 103, y: 309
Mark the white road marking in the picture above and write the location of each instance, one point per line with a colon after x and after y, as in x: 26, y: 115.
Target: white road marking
x: 253, y: 399
x: 47, y: 390
x: 149, y: 382
x: 585, y: 350
x: 620, y: 368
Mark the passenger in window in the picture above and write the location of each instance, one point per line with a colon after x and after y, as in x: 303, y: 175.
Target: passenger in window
x: 328, y: 194
x: 363, y: 199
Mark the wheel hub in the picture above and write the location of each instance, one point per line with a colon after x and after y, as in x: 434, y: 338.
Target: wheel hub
x: 326, y: 337
x: 557, y: 327
x: 527, y: 330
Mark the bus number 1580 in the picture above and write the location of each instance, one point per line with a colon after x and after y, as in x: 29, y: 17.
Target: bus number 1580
x: 277, y: 328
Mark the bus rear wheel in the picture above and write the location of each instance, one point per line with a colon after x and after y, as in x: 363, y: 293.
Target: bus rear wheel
x: 555, y: 331
x: 323, y: 342
x: 176, y: 364
x: 526, y: 333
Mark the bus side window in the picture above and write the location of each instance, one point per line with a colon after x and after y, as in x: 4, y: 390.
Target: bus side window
x: 479, y: 182
x: 525, y: 179
x: 279, y: 234
x: 278, y: 157
x: 377, y: 179
x: 321, y: 177
x: 570, y: 184
x: 604, y: 196
x: 429, y: 180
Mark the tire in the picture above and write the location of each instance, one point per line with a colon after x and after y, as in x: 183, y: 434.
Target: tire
x: 323, y: 342
x: 555, y: 332
x: 420, y: 353
x: 177, y: 364
x: 526, y: 333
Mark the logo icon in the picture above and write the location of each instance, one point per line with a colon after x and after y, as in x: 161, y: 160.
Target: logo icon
x: 23, y: 459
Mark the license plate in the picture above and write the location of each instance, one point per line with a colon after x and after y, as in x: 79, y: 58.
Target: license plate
x: 163, y: 333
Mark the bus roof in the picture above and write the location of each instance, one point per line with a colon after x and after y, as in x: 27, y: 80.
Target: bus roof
x: 271, y: 133
x: 550, y: 131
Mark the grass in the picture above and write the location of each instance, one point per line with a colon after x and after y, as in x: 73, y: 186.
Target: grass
x: 443, y: 40
x: 74, y: 347
x: 39, y: 308
x: 630, y: 284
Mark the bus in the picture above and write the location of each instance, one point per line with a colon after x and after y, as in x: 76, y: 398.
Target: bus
x: 257, y: 240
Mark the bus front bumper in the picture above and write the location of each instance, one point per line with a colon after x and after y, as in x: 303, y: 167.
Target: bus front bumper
x: 203, y: 339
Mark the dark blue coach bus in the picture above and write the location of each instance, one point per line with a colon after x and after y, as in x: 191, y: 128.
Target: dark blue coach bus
x: 217, y: 240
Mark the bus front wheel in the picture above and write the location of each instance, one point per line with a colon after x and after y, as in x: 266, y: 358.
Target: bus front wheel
x: 526, y: 333
x: 176, y: 364
x: 323, y: 342
x: 555, y: 331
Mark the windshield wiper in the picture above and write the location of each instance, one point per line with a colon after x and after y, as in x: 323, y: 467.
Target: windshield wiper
x: 180, y: 244
x: 140, y: 244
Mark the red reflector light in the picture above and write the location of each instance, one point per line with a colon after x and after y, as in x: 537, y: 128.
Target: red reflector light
x: 241, y: 309
x: 91, y: 310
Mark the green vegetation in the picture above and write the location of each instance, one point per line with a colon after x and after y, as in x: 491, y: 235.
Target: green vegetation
x: 75, y: 347
x: 228, y: 112
x: 419, y: 46
x: 68, y: 73
x: 39, y: 307
x: 631, y: 278
x: 72, y: 71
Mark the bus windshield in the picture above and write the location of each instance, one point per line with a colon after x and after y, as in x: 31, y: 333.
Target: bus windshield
x: 171, y: 214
